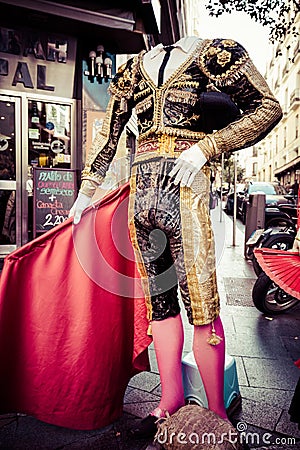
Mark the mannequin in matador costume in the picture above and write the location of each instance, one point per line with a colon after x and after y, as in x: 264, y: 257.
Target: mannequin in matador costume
x: 169, y: 218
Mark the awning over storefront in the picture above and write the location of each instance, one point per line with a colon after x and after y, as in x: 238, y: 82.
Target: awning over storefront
x: 290, y: 165
x: 120, y: 26
x: 113, y: 17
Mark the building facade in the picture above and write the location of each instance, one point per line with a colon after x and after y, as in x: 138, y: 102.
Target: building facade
x: 279, y: 152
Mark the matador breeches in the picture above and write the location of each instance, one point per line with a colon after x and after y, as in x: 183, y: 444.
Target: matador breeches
x: 172, y: 237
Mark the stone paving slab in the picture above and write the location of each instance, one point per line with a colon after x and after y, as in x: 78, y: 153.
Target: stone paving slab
x: 278, y: 398
x: 256, y: 346
x: 153, y: 362
x: 238, y: 291
x: 285, y: 426
x: 228, y: 323
x: 29, y: 433
x: 266, y: 373
x: 141, y: 409
x: 292, y: 345
x: 258, y: 414
x: 241, y: 311
x: 262, y: 439
x: 240, y: 368
x: 281, y: 325
x: 157, y: 391
x: 7, y: 419
x: 139, y: 396
x: 146, y: 381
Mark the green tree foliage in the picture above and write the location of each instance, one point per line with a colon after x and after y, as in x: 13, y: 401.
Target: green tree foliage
x: 228, y: 174
x: 278, y: 15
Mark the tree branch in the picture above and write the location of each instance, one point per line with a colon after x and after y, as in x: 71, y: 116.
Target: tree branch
x: 278, y: 15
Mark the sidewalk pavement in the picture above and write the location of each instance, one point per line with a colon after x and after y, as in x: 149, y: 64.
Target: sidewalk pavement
x: 264, y: 349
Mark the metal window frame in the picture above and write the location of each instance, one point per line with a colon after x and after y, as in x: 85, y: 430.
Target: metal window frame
x: 21, y: 129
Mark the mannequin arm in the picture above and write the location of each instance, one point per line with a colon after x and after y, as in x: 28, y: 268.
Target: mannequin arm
x: 104, y: 146
x: 230, y: 70
x: 105, y: 143
x: 117, y: 115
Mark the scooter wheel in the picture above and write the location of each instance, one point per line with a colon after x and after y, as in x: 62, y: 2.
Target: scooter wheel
x: 280, y: 242
x: 268, y: 298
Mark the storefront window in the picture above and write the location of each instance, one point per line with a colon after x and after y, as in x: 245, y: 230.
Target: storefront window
x: 7, y: 217
x: 7, y: 141
x: 49, y: 134
x: 7, y: 173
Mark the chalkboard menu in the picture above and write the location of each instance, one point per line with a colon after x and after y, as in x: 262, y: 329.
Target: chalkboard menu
x: 54, y: 192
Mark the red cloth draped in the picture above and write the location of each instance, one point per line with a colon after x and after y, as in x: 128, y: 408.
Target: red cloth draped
x: 298, y: 210
x: 283, y: 267
x: 73, y: 326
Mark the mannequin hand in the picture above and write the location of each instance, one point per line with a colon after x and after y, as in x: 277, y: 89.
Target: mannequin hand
x: 188, y: 165
x: 296, y: 245
x: 80, y: 204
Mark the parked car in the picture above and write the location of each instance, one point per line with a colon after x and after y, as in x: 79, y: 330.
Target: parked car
x: 275, y: 195
x: 229, y: 199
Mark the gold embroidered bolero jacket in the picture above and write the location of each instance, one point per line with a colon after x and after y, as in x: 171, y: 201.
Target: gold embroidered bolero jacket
x: 173, y: 109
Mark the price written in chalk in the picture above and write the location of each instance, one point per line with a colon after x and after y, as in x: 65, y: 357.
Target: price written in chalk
x: 54, y: 195
x: 51, y: 221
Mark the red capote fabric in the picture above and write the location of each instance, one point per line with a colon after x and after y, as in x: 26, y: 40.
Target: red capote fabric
x: 73, y: 326
x: 298, y: 210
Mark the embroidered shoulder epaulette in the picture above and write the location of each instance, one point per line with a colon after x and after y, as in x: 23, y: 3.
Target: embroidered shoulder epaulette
x: 124, y: 82
x: 222, y: 60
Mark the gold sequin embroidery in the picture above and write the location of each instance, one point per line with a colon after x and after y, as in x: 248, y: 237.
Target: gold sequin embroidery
x: 212, y: 51
x: 228, y: 43
x: 144, y: 105
x: 235, y: 71
x: 223, y: 58
x: 142, y: 93
x: 175, y: 95
x: 126, y: 81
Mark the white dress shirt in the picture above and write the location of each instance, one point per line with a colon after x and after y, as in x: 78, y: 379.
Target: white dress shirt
x: 152, y: 60
x: 191, y: 160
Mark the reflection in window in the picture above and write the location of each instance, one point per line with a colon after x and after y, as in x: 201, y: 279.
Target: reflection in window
x: 254, y: 170
x: 49, y: 134
x: 7, y: 141
x: 7, y: 217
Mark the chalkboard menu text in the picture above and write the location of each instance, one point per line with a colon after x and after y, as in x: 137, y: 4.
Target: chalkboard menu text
x: 54, y: 194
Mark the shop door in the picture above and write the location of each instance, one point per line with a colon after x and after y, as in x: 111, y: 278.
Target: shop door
x: 10, y: 174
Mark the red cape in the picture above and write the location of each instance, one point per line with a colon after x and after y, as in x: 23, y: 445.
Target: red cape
x: 73, y: 326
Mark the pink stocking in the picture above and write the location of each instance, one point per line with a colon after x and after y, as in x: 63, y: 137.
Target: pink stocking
x: 210, y: 362
x: 168, y: 344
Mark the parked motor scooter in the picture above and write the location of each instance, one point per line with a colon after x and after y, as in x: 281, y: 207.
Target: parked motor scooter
x: 279, y: 238
x: 269, y: 298
x: 284, y: 215
x: 279, y: 232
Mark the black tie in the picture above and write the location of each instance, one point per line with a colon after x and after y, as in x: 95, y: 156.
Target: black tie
x: 168, y: 50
